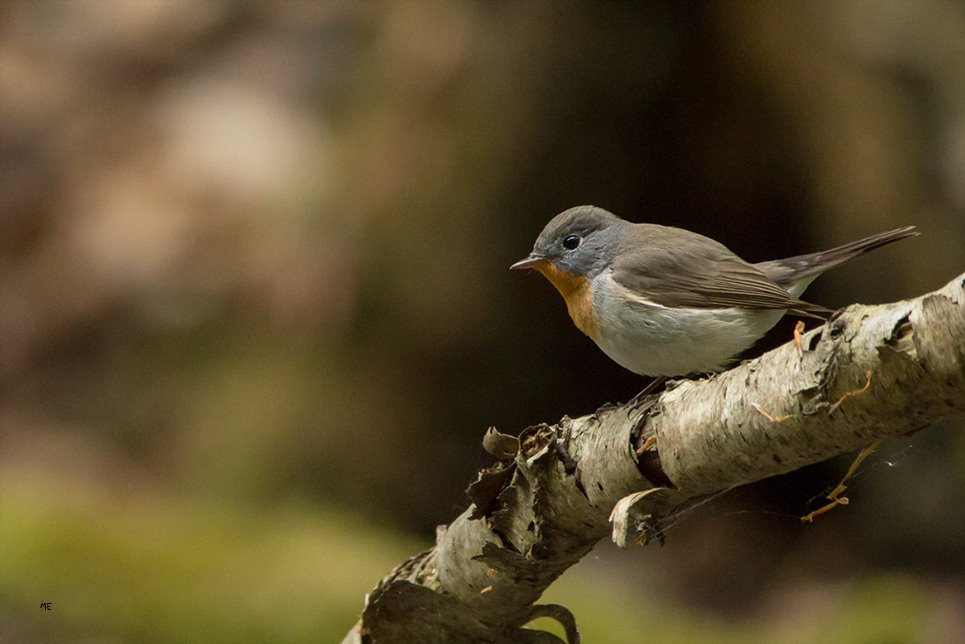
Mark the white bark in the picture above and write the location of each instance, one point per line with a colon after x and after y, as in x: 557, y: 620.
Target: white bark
x: 870, y: 372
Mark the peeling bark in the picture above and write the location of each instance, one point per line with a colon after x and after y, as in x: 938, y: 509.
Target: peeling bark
x: 870, y: 372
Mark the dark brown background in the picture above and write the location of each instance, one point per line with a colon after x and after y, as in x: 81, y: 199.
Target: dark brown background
x: 256, y: 312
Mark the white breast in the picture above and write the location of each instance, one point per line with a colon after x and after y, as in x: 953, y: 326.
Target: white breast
x: 654, y: 340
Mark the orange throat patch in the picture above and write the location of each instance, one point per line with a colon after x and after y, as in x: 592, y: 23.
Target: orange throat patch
x: 575, y: 290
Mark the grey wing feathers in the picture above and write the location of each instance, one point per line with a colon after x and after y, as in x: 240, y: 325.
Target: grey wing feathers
x: 715, y: 278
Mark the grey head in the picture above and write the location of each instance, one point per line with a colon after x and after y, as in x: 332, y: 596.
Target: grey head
x: 582, y: 240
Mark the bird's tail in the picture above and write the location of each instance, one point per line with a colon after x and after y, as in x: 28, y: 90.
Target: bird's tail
x: 801, y: 269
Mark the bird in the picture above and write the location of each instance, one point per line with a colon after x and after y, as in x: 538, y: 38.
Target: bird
x: 666, y: 302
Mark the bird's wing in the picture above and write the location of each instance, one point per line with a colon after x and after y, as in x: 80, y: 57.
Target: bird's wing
x: 705, y: 276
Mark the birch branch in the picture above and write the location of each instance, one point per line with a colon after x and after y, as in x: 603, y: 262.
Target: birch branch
x: 869, y: 372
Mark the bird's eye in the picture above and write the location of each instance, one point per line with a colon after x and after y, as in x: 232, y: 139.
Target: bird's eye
x: 571, y: 242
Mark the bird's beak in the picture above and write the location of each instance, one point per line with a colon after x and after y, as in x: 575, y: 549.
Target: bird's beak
x: 533, y: 261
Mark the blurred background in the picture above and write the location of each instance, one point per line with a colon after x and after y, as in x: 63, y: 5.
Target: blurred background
x: 256, y: 314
